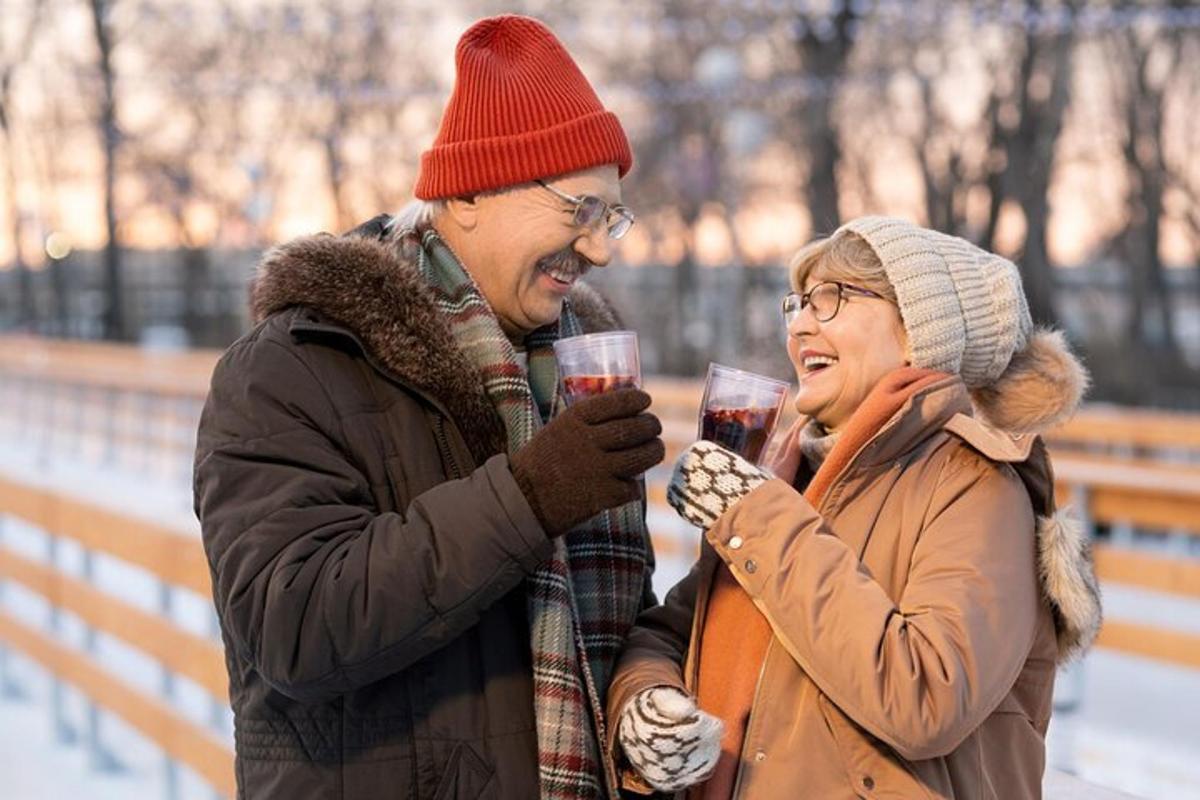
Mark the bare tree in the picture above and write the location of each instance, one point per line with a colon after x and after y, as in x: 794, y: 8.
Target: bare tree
x: 115, y: 322
x: 1009, y: 150
x: 1026, y: 124
x: 682, y: 62
x: 1144, y: 72
x: 1183, y: 169
x: 12, y: 58
x: 824, y: 44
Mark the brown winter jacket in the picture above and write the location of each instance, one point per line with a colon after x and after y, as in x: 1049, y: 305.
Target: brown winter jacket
x: 914, y: 646
x: 368, y: 543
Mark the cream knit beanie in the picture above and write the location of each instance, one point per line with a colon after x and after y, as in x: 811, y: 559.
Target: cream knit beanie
x: 965, y: 313
x: 963, y: 307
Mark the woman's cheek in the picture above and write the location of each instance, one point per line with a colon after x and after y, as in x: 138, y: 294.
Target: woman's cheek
x: 793, y: 351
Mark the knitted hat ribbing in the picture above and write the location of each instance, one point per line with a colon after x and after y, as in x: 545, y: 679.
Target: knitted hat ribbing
x: 963, y: 308
x: 520, y: 110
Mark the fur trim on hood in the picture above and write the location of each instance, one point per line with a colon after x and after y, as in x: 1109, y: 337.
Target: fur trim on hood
x: 1041, y: 387
x: 370, y: 287
x: 1068, y: 579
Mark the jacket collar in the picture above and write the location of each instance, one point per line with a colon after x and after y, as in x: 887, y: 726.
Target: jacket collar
x: 923, y: 414
x: 368, y: 290
x: 945, y: 405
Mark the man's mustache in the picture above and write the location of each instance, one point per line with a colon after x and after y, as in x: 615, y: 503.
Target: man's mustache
x: 565, y: 261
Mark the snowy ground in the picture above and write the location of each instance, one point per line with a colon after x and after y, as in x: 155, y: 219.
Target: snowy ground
x: 1133, y: 728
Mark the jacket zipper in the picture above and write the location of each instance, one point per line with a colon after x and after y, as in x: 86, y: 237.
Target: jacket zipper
x: 691, y: 675
x: 737, y: 783
x: 444, y: 445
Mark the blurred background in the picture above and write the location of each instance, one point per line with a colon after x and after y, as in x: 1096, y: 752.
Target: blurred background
x: 151, y: 149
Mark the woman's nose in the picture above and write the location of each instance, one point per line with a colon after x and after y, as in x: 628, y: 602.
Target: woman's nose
x: 803, y: 322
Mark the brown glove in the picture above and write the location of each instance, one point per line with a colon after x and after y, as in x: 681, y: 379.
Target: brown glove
x: 587, y: 458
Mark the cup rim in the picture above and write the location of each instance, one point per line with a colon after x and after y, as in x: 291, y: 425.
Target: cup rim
x: 753, y: 377
x: 597, y: 338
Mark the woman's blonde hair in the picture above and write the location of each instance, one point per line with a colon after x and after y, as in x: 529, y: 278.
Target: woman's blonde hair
x: 845, y: 256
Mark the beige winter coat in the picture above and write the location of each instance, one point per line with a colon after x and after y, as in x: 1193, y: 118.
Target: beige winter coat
x: 917, y: 616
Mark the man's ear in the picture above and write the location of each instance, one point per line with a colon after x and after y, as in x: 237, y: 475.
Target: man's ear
x: 464, y: 211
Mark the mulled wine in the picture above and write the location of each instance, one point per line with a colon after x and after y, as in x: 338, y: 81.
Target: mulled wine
x: 577, y: 387
x: 745, y: 431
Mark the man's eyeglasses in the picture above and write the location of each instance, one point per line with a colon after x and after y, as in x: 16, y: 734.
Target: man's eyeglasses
x: 825, y: 298
x: 589, y: 211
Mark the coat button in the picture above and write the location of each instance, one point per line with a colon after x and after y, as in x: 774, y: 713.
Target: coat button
x: 868, y: 782
x: 735, y: 542
x: 751, y: 567
x: 759, y: 755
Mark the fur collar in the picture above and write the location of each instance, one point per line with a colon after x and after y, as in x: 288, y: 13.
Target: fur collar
x: 371, y: 291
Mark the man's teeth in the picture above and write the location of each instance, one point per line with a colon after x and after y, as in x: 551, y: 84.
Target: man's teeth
x: 812, y: 362
x: 562, y: 275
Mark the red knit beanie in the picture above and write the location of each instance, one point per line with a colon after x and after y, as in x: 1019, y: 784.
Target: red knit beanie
x: 520, y: 110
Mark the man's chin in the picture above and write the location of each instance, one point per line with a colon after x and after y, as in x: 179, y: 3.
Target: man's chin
x: 546, y: 312
x: 548, y: 307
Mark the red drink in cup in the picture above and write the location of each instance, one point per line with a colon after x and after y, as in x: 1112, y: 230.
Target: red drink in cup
x: 740, y: 410
x: 598, y: 362
x: 576, y: 387
x: 745, y: 431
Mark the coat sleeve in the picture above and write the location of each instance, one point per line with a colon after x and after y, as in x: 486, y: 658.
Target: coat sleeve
x: 319, y: 591
x: 920, y: 672
x: 654, y: 653
x: 656, y: 647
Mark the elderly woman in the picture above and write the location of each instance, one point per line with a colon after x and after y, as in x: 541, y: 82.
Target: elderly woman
x: 882, y: 615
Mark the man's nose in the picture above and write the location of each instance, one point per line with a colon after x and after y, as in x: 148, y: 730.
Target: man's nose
x: 595, y: 245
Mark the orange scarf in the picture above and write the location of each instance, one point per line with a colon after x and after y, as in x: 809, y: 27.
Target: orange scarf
x: 735, y: 635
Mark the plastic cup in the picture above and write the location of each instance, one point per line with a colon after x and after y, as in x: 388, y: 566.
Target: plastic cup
x: 740, y: 410
x: 597, y: 362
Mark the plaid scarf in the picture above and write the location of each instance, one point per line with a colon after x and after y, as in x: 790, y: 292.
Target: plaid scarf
x: 584, y: 599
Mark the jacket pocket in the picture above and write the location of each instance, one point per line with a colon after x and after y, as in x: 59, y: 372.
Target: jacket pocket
x: 467, y: 776
x: 874, y: 770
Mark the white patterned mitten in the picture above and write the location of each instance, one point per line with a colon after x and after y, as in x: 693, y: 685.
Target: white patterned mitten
x: 668, y: 740
x: 708, y: 480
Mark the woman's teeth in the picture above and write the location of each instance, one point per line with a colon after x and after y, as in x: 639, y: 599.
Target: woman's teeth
x: 817, y: 362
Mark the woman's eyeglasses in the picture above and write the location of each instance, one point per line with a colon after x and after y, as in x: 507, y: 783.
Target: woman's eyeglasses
x: 826, y: 299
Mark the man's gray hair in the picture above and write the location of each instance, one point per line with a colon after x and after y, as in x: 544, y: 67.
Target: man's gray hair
x: 418, y: 215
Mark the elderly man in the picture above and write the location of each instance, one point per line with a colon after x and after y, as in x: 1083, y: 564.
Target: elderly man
x: 423, y: 571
